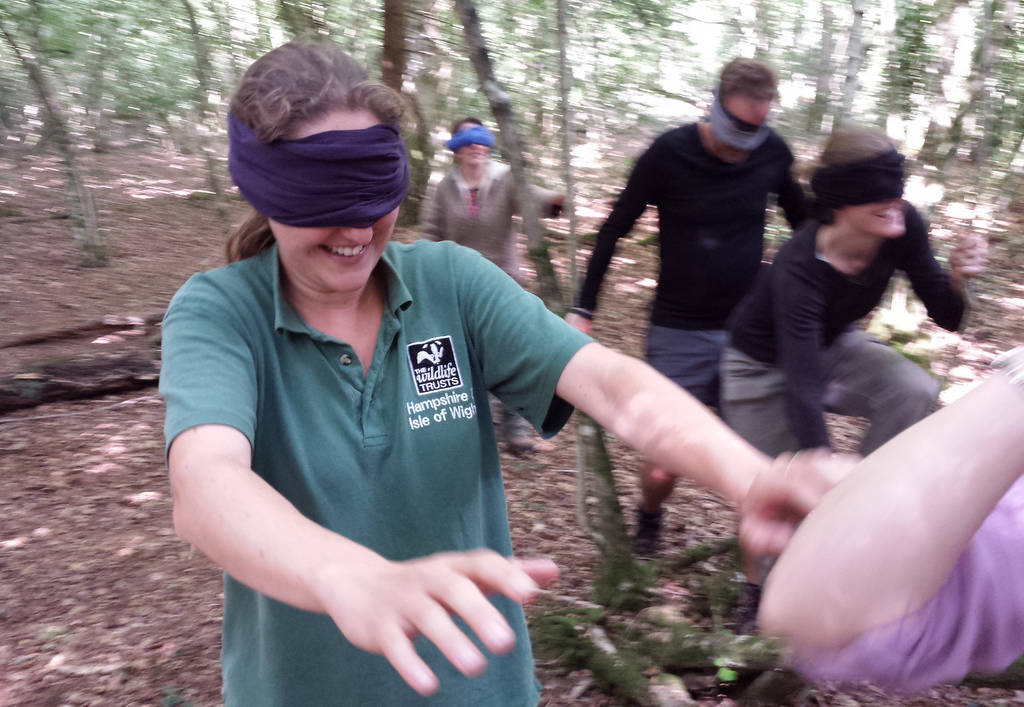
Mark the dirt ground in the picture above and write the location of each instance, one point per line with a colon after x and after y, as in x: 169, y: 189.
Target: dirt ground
x: 101, y: 604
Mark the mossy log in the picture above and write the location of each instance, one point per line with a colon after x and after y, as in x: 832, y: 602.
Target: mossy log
x: 76, y: 378
x: 106, y: 325
x: 621, y: 582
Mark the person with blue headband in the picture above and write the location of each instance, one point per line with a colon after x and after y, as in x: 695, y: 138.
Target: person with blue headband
x: 474, y: 205
x: 328, y: 436
x: 711, y: 183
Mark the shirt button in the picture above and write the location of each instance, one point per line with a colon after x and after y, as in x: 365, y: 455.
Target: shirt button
x: 346, y: 360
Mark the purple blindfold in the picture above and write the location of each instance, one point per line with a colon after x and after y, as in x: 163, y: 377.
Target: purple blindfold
x: 335, y: 178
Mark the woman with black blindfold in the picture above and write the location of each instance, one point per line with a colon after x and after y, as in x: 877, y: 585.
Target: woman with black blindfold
x: 329, y: 439
x: 793, y: 351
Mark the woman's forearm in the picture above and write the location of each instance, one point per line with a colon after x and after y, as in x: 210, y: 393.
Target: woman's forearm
x: 882, y: 543
x: 659, y: 419
x: 235, y: 518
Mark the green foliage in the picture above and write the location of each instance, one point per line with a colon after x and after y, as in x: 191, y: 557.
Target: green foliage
x: 171, y: 696
x: 561, y: 635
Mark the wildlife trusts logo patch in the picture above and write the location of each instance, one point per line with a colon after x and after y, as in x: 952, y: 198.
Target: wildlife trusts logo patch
x: 433, y: 365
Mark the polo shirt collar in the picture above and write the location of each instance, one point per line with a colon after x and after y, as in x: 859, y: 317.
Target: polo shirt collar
x: 287, y: 319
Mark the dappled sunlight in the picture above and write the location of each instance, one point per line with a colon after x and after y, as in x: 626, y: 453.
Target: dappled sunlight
x: 1010, y: 302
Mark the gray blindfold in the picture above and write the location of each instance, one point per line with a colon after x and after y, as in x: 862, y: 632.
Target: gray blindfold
x: 733, y: 131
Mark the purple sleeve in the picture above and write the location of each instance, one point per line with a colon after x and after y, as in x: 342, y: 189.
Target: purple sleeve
x: 975, y: 623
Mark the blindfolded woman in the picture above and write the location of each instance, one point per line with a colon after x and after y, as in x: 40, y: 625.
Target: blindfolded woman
x: 329, y: 441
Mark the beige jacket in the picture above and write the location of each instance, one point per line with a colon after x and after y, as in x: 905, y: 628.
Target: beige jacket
x: 447, y: 216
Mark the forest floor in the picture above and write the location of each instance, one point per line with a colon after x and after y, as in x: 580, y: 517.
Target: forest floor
x: 101, y: 604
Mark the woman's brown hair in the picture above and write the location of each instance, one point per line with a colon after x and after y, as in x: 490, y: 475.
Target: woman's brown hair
x: 854, y: 143
x: 848, y: 144
x: 289, y: 86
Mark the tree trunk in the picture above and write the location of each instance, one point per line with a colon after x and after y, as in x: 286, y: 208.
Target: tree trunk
x: 991, y: 37
x: 822, y: 94
x: 854, y: 59
x: 97, y: 85
x: 206, y: 111
x: 393, y: 55
x: 565, y: 86
x: 222, y: 14
x: 977, y: 91
x: 420, y: 61
x: 85, y: 225
x: 501, y: 106
x: 936, y: 132
x: 301, y: 20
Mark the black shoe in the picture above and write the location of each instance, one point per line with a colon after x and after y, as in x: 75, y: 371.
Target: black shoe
x: 746, y: 610
x: 647, y: 541
x: 519, y: 445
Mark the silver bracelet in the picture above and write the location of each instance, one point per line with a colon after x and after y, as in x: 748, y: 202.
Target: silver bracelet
x: 1012, y: 364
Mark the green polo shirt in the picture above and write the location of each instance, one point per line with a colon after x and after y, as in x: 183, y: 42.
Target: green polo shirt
x: 403, y: 460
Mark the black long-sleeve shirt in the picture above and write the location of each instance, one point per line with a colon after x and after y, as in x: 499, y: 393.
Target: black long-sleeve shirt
x: 801, y: 304
x: 711, y: 217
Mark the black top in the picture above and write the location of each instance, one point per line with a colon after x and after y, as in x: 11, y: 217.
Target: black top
x: 711, y: 218
x: 800, y: 304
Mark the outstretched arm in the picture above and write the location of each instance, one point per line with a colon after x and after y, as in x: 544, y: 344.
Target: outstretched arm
x: 641, y: 190
x: 223, y: 508
x: 656, y: 417
x: 882, y: 543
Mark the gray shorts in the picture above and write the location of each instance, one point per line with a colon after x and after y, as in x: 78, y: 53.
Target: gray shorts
x: 690, y: 357
x: 863, y: 377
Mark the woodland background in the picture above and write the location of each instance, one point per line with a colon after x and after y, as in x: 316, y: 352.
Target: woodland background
x: 113, y: 190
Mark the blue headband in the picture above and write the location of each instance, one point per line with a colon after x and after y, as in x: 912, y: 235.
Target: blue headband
x: 334, y: 178
x: 476, y: 135
x: 733, y: 131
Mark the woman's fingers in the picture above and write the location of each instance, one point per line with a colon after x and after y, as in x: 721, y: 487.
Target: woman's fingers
x: 460, y: 595
x: 541, y: 570
x: 432, y: 620
x: 391, y: 603
x: 396, y: 646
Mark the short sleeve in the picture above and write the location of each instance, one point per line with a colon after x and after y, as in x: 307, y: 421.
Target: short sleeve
x: 521, y: 346
x: 208, y: 369
x: 975, y: 623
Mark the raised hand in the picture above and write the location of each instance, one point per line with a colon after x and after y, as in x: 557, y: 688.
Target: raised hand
x: 968, y: 258
x: 782, y: 495
x: 381, y: 606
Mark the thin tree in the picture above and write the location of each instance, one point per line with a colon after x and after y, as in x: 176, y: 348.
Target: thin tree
x: 854, y: 59
x: 84, y: 222
x: 823, y: 80
x: 501, y: 106
x: 394, y: 64
x: 207, y: 112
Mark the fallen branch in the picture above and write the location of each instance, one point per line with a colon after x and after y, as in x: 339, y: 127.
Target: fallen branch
x: 31, y: 219
x: 74, y: 379
x: 692, y: 555
x: 99, y: 326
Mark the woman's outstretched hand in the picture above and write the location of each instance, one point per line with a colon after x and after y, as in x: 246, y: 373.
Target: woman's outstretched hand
x: 381, y: 606
x: 782, y: 495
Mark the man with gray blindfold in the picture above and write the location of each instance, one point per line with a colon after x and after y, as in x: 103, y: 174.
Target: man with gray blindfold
x: 710, y: 182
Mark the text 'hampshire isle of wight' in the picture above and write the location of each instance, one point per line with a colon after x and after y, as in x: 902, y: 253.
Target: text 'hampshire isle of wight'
x: 443, y: 408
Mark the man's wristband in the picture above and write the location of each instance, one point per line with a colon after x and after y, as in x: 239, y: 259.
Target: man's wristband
x: 580, y: 312
x: 1012, y: 364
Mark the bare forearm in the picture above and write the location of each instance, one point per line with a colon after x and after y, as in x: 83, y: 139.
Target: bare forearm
x: 257, y: 536
x: 896, y: 526
x: 668, y: 426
